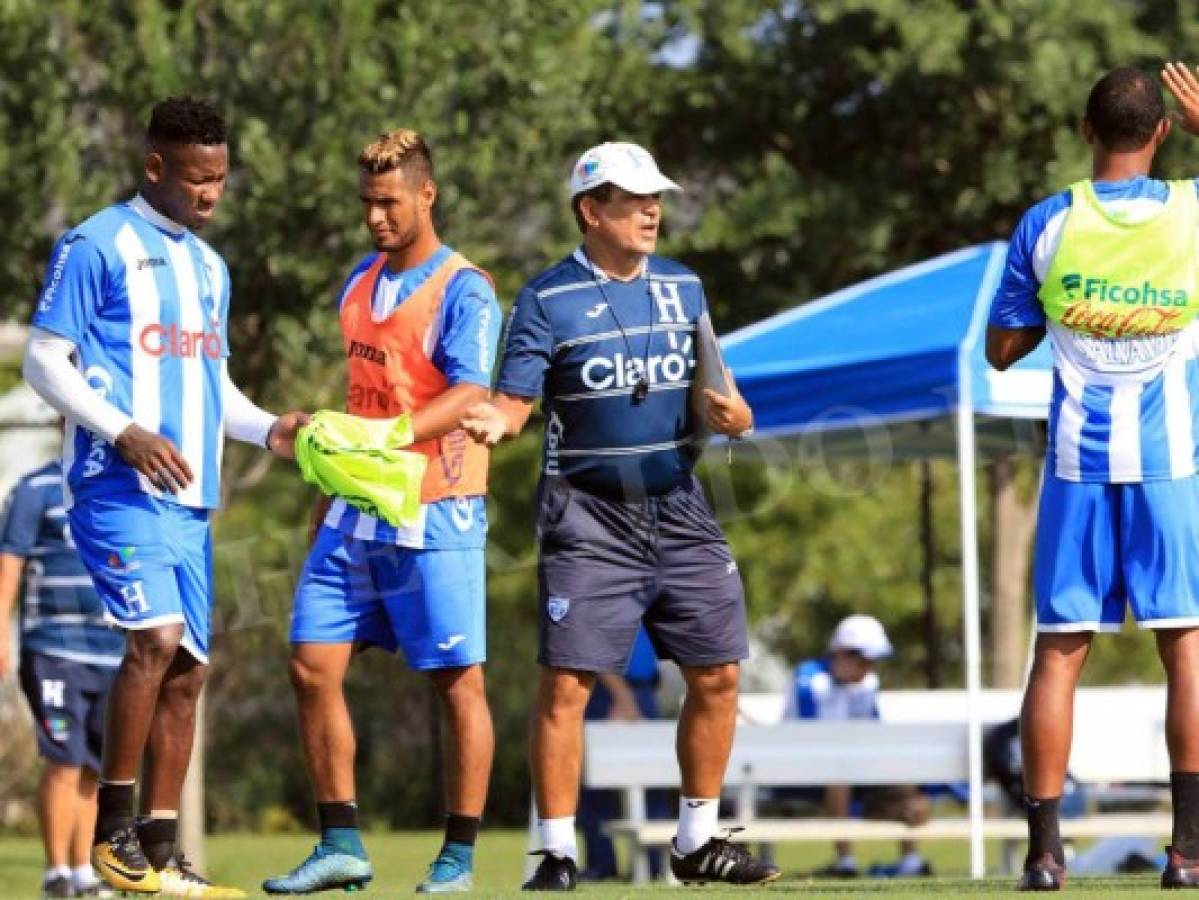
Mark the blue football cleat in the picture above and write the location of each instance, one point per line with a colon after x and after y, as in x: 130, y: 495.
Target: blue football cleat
x: 324, y: 870
x: 450, y: 873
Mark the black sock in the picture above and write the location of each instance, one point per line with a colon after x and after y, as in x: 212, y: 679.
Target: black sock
x: 337, y: 814
x: 1043, y: 833
x: 114, y: 809
x: 1184, y: 794
x: 158, y: 838
x: 462, y: 829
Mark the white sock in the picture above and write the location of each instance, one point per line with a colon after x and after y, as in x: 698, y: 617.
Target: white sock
x: 84, y: 876
x: 911, y: 863
x: 847, y: 863
x: 53, y: 872
x: 558, y: 837
x: 697, y: 823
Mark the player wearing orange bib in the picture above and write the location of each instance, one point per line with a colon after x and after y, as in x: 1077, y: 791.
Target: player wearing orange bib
x: 420, y: 326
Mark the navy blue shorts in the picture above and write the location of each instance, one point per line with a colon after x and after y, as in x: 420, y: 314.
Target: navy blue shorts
x: 606, y: 566
x: 67, y: 700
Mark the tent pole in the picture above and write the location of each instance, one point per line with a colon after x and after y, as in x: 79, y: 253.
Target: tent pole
x: 970, y: 615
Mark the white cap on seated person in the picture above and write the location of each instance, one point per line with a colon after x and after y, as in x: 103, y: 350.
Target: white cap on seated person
x: 627, y: 166
x: 863, y: 634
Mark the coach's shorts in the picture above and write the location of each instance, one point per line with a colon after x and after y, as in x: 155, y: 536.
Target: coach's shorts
x: 607, y: 566
x: 432, y: 604
x: 151, y: 562
x: 1101, y: 547
x: 67, y: 701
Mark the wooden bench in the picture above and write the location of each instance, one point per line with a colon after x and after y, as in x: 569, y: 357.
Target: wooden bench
x: 1119, y: 737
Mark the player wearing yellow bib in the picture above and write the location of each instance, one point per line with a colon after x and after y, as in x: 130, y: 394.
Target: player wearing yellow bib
x: 1109, y: 270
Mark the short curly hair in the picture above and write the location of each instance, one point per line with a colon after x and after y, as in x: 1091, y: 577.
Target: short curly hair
x: 186, y: 120
x: 1125, y: 107
x: 402, y: 148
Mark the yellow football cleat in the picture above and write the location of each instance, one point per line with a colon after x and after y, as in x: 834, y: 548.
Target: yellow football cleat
x: 119, y: 861
x: 179, y: 879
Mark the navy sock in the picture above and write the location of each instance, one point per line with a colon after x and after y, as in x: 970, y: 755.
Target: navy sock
x: 114, y: 802
x: 1184, y: 794
x: 1044, y: 835
x: 339, y: 827
x: 462, y: 829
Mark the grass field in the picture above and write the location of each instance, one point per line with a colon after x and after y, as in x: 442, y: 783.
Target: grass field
x: 400, y: 859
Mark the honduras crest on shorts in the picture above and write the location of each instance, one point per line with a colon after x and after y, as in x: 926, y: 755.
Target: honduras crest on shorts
x: 557, y: 608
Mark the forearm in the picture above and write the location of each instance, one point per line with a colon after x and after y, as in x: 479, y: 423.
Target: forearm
x: 444, y: 412
x: 10, y: 581
x: 244, y: 421
x: 1007, y: 346
x: 49, y: 371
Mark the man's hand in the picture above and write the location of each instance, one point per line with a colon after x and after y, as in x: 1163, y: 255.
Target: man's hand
x: 728, y: 415
x: 1182, y: 83
x: 281, y: 439
x: 485, y: 423
x: 156, y: 457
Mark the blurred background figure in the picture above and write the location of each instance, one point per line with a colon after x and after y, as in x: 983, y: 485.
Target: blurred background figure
x: 624, y: 698
x: 844, y: 684
x: 68, y: 657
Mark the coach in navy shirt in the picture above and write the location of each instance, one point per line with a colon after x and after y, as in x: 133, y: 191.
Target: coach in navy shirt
x: 606, y: 338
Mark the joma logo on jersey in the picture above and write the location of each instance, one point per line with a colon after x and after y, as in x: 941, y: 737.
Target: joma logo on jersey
x: 171, y: 340
x: 151, y: 262
x: 1110, y: 292
x: 367, y: 352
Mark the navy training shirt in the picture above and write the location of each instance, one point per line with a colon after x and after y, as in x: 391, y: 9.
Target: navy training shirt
x: 579, y: 339
x: 61, y: 613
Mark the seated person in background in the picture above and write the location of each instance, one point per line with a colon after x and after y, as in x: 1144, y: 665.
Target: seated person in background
x: 626, y: 698
x: 844, y: 685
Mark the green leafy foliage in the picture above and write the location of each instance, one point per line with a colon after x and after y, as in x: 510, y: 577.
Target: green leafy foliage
x: 820, y: 143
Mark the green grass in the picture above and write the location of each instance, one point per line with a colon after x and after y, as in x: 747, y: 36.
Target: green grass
x: 400, y: 859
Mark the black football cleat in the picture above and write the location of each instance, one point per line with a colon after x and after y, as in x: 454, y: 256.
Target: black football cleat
x: 1042, y: 873
x: 1180, y: 872
x: 554, y: 873
x: 721, y: 860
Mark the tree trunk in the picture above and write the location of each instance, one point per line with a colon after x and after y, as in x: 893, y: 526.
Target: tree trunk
x: 191, y: 806
x: 1013, y: 520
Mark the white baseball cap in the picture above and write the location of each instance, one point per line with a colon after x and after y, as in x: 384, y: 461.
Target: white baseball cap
x: 864, y: 634
x: 627, y: 166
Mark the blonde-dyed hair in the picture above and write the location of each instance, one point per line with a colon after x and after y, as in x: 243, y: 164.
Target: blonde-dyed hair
x: 402, y: 148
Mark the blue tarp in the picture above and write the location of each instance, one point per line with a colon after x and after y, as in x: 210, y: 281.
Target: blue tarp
x: 898, y: 348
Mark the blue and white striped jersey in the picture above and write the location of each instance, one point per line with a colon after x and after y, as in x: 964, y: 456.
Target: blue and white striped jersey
x: 61, y: 613
x: 1123, y: 410
x: 146, y: 303
x: 582, y: 340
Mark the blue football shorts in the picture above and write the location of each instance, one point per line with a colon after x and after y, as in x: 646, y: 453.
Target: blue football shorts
x: 151, y: 562
x: 1103, y: 547
x: 431, y: 604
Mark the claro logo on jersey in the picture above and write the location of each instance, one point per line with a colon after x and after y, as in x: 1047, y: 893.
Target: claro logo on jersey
x: 171, y: 340
x: 602, y: 373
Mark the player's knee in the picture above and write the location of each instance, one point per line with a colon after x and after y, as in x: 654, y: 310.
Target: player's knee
x: 462, y: 686
x: 308, y: 677
x: 154, y: 648
x: 714, y: 683
x: 564, y: 693
x: 917, y: 810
